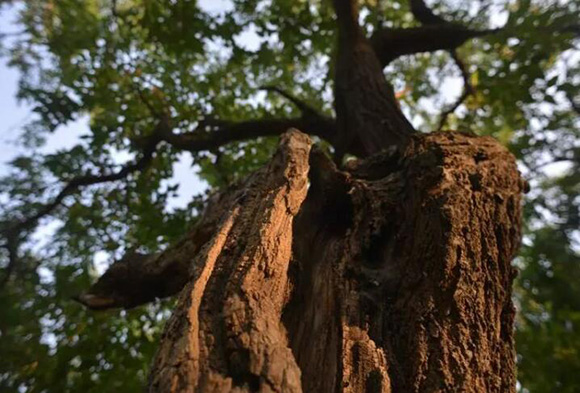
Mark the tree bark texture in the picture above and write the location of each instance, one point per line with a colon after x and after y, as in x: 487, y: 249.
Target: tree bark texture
x: 390, y: 275
x: 226, y: 333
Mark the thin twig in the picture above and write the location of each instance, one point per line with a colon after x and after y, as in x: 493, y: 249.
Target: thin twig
x: 303, y: 106
x: 14, y: 231
x: 468, y: 90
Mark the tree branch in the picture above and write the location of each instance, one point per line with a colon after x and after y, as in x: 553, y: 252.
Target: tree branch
x: 424, y: 14
x: 223, y: 132
x: 138, y: 279
x: 306, y: 109
x: 435, y: 34
x: 389, y: 44
x: 347, y: 20
x: 86, y: 180
x: 369, y: 118
x: 14, y: 231
x: 467, y: 90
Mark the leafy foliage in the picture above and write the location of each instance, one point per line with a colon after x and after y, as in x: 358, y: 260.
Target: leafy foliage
x: 120, y: 63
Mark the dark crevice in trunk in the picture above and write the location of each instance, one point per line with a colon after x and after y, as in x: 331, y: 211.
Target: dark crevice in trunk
x: 416, y: 293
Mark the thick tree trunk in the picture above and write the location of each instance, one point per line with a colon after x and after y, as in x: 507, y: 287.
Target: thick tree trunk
x: 391, y: 276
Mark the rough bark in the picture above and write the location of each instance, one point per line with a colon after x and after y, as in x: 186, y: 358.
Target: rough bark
x: 137, y: 279
x: 226, y: 333
x: 413, y: 293
x: 392, y: 275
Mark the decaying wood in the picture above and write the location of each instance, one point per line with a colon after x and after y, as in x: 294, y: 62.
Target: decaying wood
x: 391, y: 275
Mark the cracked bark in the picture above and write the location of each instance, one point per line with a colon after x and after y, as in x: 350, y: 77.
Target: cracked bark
x: 413, y: 294
x: 391, y: 275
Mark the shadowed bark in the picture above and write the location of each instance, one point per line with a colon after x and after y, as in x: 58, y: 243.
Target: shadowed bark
x: 410, y: 289
x: 368, y: 117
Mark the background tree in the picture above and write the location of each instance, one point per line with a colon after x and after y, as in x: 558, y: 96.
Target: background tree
x: 157, y: 79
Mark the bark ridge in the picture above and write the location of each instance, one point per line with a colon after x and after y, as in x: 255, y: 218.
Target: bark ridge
x: 226, y: 334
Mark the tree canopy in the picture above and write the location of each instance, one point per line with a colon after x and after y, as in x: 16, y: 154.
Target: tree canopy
x: 219, y: 81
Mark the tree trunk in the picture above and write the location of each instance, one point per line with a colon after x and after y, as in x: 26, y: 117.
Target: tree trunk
x: 368, y: 117
x: 390, y: 276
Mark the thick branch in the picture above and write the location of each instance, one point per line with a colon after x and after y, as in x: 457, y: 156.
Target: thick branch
x: 138, y: 279
x: 347, y: 20
x: 435, y: 34
x: 368, y: 117
x: 223, y: 132
x: 389, y: 44
x: 135, y: 279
